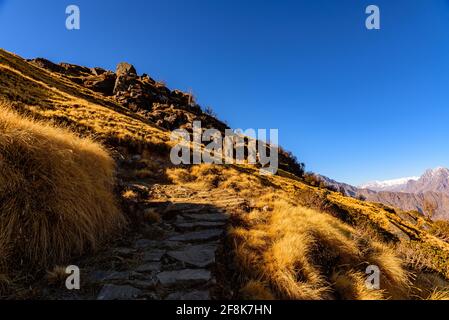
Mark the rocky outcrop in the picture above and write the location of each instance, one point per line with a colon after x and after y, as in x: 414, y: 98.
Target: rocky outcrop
x: 125, y: 69
x: 169, y: 109
x: 47, y: 64
x: 101, y: 82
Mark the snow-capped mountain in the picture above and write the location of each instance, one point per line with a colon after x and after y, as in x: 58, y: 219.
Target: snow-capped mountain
x: 388, y: 185
x: 428, y: 194
x: 434, y: 180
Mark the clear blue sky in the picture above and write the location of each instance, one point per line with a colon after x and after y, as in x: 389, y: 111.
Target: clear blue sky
x: 353, y: 104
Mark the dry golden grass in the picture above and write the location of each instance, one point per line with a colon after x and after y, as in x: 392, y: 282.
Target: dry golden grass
x: 439, y: 295
x: 152, y: 216
x: 441, y: 230
x: 256, y: 290
x: 130, y: 195
x: 56, y: 191
x: 282, y: 249
x: 54, y: 98
x: 307, y: 255
x: 350, y: 285
x: 323, y: 253
x: 57, y: 276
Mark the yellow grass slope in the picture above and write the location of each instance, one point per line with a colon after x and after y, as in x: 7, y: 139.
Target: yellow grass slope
x: 307, y: 255
x: 295, y: 241
x: 56, y: 194
x: 51, y: 97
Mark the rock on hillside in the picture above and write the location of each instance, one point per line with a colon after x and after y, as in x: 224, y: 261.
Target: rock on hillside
x: 169, y: 109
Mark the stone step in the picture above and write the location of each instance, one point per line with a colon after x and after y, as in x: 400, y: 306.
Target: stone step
x: 193, y: 295
x: 145, y: 243
x: 149, y: 267
x: 124, y: 251
x: 213, y: 217
x: 146, y: 284
x: 114, y: 292
x: 198, y: 225
x: 153, y: 255
x: 200, y: 256
x: 184, y: 277
x: 100, y: 275
x: 195, y: 236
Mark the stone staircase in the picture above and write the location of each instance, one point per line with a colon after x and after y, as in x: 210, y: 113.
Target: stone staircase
x: 174, y: 259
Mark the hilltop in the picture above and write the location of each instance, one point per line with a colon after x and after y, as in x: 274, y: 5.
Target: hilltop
x: 203, y: 231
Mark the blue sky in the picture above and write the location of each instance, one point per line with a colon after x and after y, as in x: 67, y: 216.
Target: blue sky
x: 353, y: 104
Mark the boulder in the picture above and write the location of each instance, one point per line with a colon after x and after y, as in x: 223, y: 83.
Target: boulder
x: 124, y: 68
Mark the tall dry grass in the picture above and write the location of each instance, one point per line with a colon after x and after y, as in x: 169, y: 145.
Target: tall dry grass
x: 56, y: 193
x: 285, y: 251
x: 307, y: 255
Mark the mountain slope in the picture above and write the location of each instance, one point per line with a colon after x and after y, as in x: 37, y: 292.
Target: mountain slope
x: 174, y: 208
x: 428, y: 194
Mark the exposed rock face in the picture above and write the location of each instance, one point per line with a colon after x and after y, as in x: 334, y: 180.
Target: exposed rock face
x: 344, y: 188
x: 126, y: 76
x: 47, y: 64
x: 124, y: 68
x: 432, y: 204
x: 103, y: 83
x: 433, y: 180
x: 153, y: 100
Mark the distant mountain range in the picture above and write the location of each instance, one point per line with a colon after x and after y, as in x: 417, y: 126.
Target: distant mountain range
x: 388, y: 185
x: 428, y: 194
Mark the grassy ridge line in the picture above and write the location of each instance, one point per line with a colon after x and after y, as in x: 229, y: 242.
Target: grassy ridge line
x: 51, y: 97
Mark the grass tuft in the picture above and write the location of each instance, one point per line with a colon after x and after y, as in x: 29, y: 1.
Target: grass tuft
x: 56, y: 193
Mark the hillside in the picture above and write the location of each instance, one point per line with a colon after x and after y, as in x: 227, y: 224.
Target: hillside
x: 428, y: 194
x: 195, y: 232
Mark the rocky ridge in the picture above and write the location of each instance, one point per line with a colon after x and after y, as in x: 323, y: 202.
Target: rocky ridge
x: 169, y: 109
